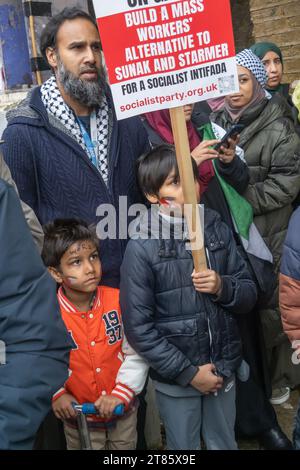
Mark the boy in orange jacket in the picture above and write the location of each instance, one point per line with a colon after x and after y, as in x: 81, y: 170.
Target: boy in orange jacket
x: 104, y: 370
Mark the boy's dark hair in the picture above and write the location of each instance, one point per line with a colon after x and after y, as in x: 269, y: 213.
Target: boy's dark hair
x: 60, y: 235
x: 49, y: 34
x: 154, y: 167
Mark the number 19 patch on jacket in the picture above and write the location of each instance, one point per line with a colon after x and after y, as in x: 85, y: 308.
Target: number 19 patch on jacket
x: 98, y: 336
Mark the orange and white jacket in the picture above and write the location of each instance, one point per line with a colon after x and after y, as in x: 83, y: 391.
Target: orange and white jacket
x: 102, y: 362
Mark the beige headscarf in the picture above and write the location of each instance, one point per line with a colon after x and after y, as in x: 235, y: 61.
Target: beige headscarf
x: 258, y: 96
x: 251, y: 62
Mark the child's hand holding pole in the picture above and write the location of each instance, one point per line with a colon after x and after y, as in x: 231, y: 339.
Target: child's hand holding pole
x: 207, y: 282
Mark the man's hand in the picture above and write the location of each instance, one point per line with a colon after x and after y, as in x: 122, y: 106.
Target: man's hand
x: 62, y: 407
x: 207, y: 282
x: 202, y: 152
x: 227, y: 154
x: 106, y: 405
x: 206, y: 381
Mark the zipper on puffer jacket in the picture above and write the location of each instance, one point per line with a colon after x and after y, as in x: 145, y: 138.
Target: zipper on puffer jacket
x: 211, y: 347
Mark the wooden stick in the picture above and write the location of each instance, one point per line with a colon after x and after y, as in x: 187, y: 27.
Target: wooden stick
x: 34, y: 47
x: 183, y: 154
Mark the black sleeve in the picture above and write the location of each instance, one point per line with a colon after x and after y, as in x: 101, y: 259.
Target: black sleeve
x: 239, y: 292
x: 201, y: 113
x: 235, y: 173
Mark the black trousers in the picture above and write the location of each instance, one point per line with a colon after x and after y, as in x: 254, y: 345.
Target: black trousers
x: 51, y: 435
x: 255, y: 414
x: 141, y: 419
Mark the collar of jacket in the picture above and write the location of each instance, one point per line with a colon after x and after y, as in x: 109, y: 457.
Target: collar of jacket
x: 37, y: 104
x: 32, y: 111
x: 151, y: 224
x: 250, y: 114
x: 262, y: 116
x: 33, y: 107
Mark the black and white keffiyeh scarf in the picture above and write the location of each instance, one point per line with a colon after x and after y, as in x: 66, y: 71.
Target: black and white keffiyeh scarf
x: 56, y: 106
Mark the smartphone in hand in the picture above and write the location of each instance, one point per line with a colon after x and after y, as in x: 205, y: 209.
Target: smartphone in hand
x: 231, y: 134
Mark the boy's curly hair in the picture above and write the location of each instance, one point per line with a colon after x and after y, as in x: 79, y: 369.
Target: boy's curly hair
x: 63, y: 233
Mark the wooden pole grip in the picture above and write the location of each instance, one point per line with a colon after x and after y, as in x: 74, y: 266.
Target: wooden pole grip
x: 192, y: 214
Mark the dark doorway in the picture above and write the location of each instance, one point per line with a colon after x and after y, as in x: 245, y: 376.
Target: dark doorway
x: 242, y: 24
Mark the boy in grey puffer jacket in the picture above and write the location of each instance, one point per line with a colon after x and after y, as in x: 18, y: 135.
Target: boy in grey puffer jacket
x: 181, y: 322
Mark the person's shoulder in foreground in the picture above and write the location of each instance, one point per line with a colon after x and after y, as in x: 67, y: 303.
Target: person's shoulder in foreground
x: 289, y: 281
x: 35, y: 337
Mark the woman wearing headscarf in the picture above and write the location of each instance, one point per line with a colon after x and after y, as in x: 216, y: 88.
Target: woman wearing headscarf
x: 228, y: 165
x: 272, y: 152
x: 271, y: 56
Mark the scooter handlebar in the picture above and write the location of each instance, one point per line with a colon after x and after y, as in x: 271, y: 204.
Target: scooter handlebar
x: 90, y: 409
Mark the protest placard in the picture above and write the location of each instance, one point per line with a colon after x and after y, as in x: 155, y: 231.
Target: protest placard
x: 166, y: 53
x: 163, y: 54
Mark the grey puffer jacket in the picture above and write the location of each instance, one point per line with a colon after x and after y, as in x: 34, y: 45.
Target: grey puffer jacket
x: 173, y: 327
x: 272, y: 152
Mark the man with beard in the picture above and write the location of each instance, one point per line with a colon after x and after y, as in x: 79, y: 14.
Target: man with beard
x: 66, y: 151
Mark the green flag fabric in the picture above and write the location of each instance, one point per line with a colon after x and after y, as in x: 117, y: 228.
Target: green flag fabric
x: 258, y: 254
x: 240, y: 209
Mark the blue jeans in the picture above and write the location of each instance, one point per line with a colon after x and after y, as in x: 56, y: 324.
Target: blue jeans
x: 296, y: 436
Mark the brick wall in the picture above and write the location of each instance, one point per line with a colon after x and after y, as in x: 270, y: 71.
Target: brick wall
x: 270, y: 20
x: 279, y: 22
